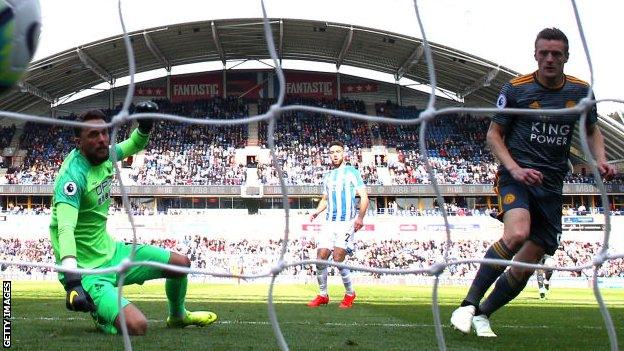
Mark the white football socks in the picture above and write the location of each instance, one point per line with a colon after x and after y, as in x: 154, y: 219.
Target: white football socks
x: 346, y: 280
x: 321, y: 276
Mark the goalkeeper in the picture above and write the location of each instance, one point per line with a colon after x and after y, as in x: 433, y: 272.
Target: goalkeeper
x: 79, y: 238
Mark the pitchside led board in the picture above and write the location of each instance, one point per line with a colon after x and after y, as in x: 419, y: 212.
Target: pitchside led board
x: 253, y: 84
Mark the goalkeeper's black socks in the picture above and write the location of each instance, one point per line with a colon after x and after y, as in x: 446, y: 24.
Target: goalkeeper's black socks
x: 506, y: 289
x: 487, y: 273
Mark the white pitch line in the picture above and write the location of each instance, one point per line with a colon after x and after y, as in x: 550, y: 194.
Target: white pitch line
x: 331, y: 324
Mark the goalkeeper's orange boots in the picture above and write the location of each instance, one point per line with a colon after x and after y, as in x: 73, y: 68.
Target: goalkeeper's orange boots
x: 198, y: 318
x: 318, y: 301
x: 347, y: 301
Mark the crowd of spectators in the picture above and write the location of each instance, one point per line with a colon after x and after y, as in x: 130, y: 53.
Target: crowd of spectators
x: 214, y: 108
x: 456, y: 148
x: 35, y: 209
x: 392, y: 209
x: 258, y: 256
x: 302, y: 138
x: 181, y: 154
x: 177, y: 153
x: 14, y: 249
x: 171, y: 161
x: 46, y: 145
x: 576, y: 178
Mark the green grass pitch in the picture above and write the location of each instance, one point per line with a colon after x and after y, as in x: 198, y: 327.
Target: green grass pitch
x: 384, y: 318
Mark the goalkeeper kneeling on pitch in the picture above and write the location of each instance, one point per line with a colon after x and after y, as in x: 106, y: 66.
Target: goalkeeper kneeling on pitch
x: 79, y: 238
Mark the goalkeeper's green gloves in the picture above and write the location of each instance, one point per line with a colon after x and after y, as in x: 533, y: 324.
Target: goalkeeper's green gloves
x: 77, y: 298
x: 146, y: 125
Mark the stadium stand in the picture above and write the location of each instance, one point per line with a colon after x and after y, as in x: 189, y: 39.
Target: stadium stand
x: 221, y: 255
x: 203, y: 155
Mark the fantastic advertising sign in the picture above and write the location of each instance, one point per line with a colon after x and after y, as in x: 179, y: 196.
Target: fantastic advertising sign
x: 312, y: 85
x: 195, y: 87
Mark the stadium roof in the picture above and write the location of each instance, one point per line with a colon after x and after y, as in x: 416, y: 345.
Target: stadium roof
x: 474, y: 79
x: 222, y: 40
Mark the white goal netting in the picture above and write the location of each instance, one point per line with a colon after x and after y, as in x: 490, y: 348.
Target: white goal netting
x: 271, y: 116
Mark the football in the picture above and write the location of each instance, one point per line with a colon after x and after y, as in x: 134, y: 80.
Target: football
x: 20, y: 23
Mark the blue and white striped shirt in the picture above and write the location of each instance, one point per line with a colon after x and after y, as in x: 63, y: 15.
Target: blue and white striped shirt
x: 340, y: 185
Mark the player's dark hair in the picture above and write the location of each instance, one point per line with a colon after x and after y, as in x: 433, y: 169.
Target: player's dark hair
x: 552, y: 34
x: 89, y: 115
x: 336, y: 143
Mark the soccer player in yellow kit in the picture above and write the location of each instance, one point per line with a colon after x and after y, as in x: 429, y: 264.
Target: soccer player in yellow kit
x: 80, y: 240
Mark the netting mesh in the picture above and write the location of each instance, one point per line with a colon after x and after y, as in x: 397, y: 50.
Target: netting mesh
x: 271, y: 117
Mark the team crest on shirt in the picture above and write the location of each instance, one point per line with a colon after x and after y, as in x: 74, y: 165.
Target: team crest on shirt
x: 501, y: 102
x: 69, y: 188
x: 509, y: 198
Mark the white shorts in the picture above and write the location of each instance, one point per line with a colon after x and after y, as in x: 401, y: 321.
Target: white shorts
x: 336, y: 234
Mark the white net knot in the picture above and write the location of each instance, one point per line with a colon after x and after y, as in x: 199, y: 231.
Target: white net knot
x: 274, y: 110
x: 120, y: 118
x: 427, y: 114
x: 585, y: 104
x: 124, y: 265
x: 437, y: 268
x: 278, y: 268
x: 600, y: 258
